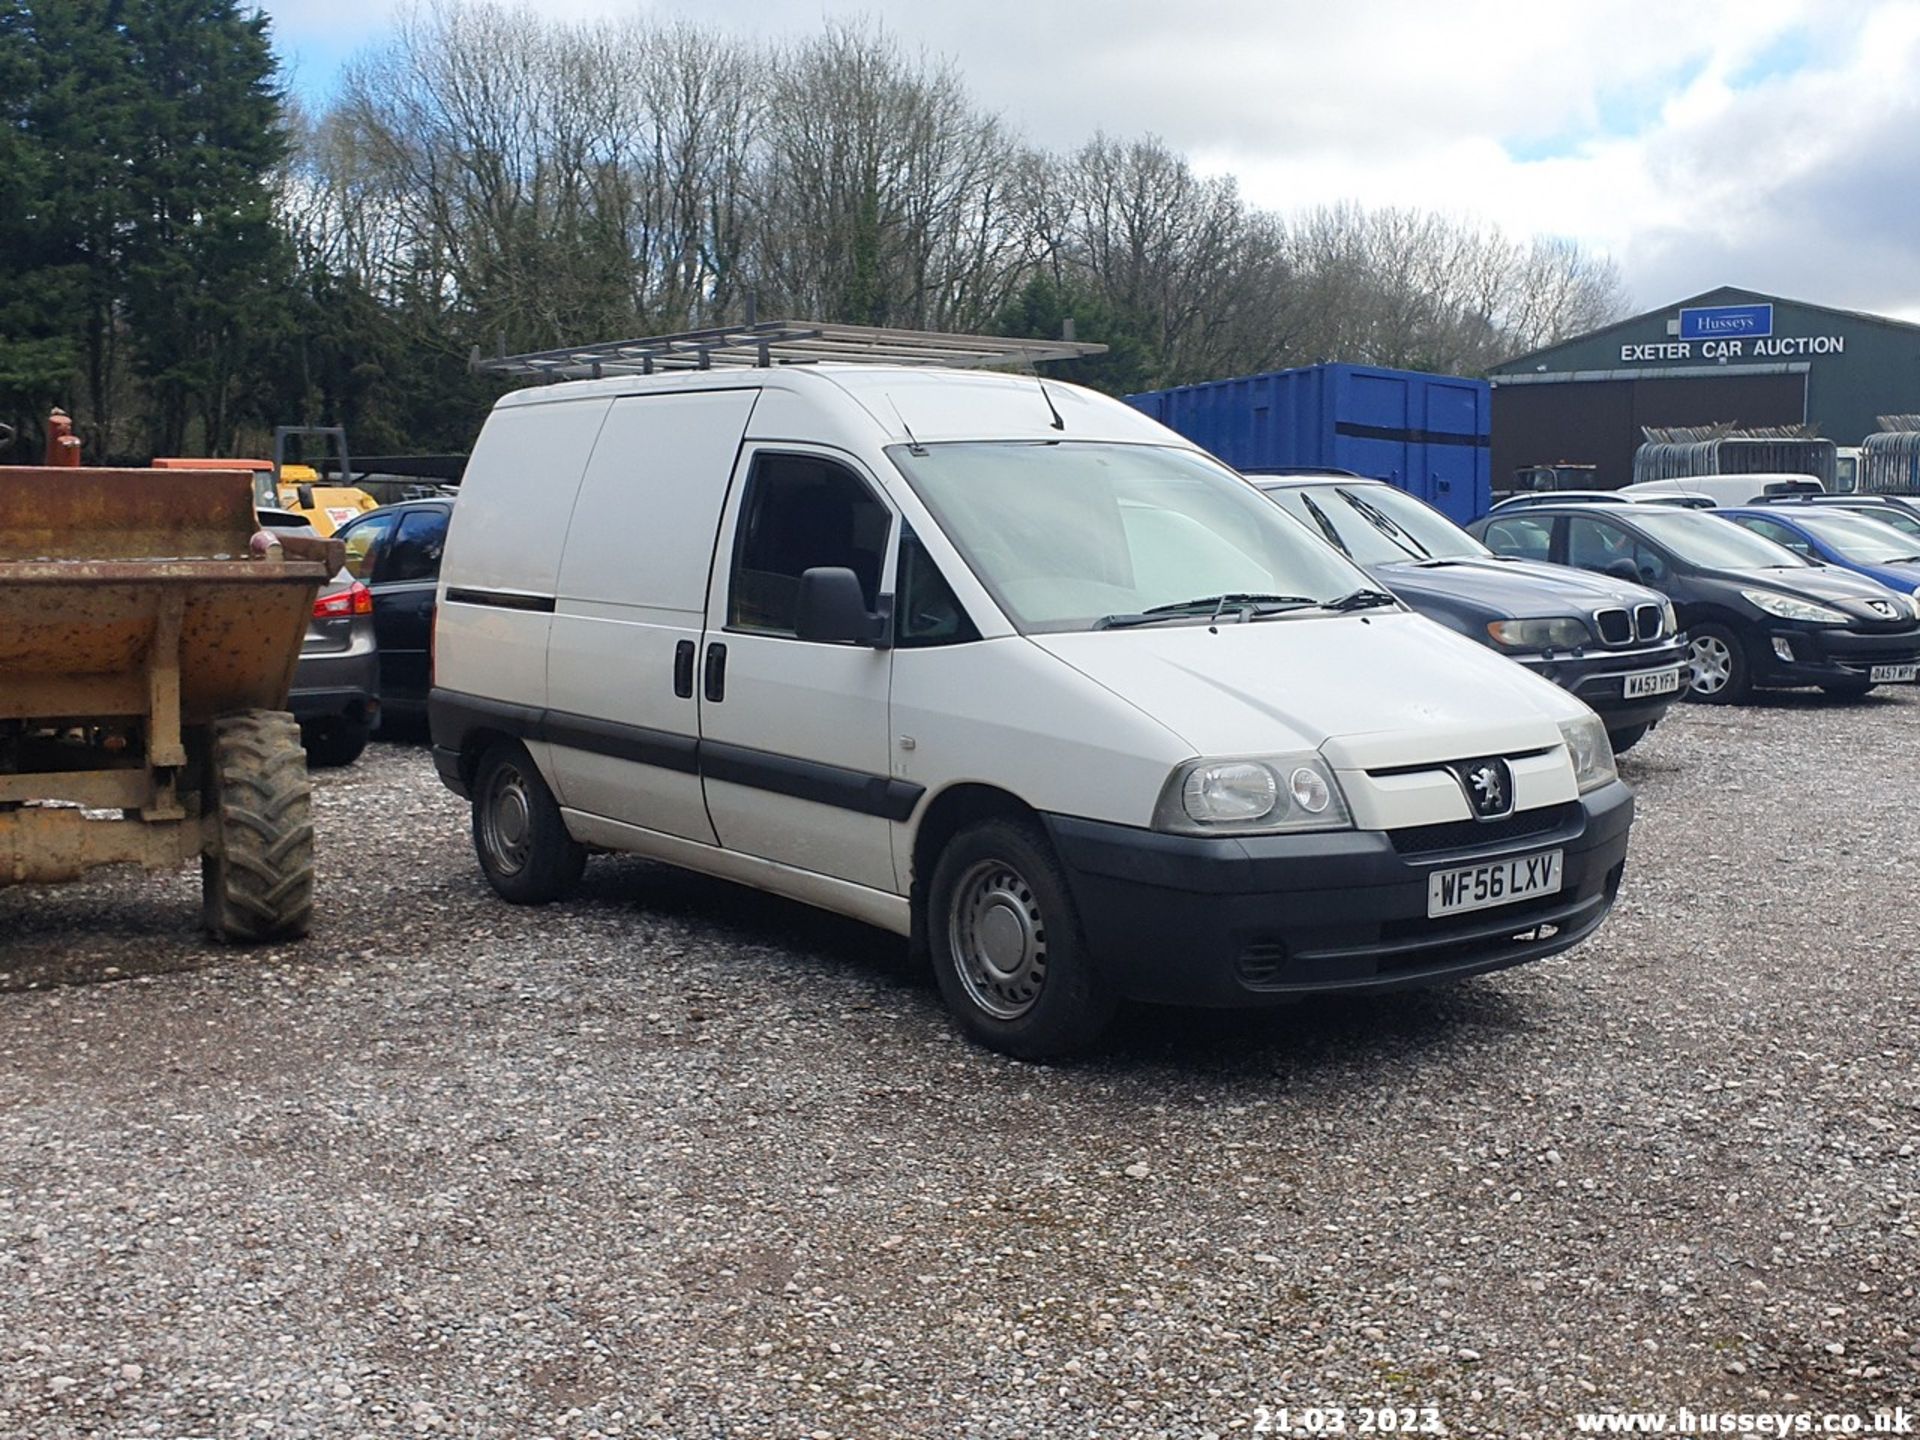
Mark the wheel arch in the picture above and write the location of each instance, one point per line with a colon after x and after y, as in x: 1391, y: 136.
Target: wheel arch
x: 942, y: 817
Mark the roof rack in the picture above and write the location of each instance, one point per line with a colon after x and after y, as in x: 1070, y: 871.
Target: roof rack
x: 780, y: 342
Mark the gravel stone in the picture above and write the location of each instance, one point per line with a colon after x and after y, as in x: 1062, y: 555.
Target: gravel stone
x: 675, y: 1158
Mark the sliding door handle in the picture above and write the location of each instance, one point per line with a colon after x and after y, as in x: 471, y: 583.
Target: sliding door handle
x: 683, y: 669
x: 716, y: 676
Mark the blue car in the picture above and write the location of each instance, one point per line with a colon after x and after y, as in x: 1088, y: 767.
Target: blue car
x: 1844, y: 538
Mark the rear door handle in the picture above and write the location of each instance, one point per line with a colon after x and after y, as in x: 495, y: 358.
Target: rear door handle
x: 716, y: 677
x: 683, y: 669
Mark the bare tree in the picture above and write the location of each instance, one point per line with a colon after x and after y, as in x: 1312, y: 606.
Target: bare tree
x: 493, y: 172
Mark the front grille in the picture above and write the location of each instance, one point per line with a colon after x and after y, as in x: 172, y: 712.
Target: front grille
x: 1647, y: 621
x: 1467, y: 834
x: 1616, y: 626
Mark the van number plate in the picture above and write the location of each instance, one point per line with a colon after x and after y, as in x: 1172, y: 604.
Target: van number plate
x: 1894, y: 674
x: 1652, y: 682
x: 1501, y: 882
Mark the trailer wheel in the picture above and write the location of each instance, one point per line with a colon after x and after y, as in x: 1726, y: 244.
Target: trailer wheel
x: 256, y: 879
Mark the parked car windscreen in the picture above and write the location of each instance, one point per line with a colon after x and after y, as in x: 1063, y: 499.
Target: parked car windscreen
x: 1702, y: 538
x: 1377, y: 525
x: 1864, y: 539
x: 1063, y: 533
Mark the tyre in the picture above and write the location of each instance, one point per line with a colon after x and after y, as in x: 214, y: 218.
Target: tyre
x: 1848, y: 689
x: 523, y: 844
x: 256, y: 879
x: 334, y: 742
x: 1007, y: 946
x: 1719, y: 672
x: 1627, y: 736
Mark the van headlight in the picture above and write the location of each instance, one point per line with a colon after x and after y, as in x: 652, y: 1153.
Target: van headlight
x: 1263, y: 795
x: 1564, y: 633
x: 1787, y: 607
x: 1590, y: 751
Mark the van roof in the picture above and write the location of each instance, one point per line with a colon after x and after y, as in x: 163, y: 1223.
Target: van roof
x: 893, y: 404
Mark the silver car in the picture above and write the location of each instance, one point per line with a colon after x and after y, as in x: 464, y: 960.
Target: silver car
x: 336, y: 687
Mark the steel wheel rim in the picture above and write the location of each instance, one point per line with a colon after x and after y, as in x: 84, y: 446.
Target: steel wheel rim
x: 1711, y: 662
x: 998, y: 939
x: 506, y: 820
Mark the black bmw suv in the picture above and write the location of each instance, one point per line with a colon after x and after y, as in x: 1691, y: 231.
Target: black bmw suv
x: 1611, y: 642
x: 1757, y: 615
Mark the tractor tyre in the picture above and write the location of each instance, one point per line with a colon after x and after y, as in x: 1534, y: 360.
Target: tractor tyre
x: 256, y: 878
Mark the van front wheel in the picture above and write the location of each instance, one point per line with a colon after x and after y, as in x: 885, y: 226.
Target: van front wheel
x: 1007, y: 946
x: 521, y: 841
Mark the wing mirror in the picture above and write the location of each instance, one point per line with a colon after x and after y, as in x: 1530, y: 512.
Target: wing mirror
x: 1622, y: 569
x: 833, y: 610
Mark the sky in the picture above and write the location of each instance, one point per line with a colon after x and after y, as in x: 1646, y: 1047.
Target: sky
x: 1768, y: 144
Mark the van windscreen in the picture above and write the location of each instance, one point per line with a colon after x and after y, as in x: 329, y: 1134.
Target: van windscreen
x: 1062, y: 533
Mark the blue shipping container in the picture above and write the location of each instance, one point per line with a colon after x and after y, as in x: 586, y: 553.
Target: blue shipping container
x: 1427, y: 434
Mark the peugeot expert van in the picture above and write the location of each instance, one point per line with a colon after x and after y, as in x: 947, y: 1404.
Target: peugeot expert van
x: 1003, y: 666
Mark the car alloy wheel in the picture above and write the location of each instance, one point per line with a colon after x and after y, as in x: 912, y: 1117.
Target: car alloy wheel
x: 1711, y: 665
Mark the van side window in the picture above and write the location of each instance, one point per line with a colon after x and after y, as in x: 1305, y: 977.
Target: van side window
x: 799, y: 512
x: 927, y: 611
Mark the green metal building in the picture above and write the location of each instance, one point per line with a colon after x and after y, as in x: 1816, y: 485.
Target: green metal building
x: 1726, y: 357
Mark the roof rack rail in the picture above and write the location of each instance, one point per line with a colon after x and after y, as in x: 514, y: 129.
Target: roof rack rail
x: 780, y: 342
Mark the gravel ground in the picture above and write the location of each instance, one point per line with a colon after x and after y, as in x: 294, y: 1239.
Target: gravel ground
x: 675, y: 1158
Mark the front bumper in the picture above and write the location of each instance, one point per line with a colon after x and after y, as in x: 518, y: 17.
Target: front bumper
x: 1825, y: 654
x: 1234, y: 922
x: 1599, y: 677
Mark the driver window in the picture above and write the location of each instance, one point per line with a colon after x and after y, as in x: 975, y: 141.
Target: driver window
x: 1594, y: 544
x: 364, y: 543
x: 800, y: 512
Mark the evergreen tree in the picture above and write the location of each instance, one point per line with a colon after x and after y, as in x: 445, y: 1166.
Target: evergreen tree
x: 138, y: 141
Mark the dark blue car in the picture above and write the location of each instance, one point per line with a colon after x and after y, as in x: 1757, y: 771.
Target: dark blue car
x: 1612, y: 642
x: 1846, y: 538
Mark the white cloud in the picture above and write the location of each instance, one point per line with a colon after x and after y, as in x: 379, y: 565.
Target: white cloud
x: 1756, y: 142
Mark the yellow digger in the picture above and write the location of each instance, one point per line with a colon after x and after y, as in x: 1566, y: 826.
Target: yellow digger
x: 280, y: 484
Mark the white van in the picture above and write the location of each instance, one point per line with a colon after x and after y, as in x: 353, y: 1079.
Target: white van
x: 1003, y: 666
x: 1718, y: 490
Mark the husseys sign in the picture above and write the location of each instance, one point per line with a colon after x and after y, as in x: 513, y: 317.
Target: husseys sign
x: 1731, y: 332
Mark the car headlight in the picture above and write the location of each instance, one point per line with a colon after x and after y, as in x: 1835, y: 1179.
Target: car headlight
x: 1786, y: 607
x: 1252, y: 796
x: 1669, y: 619
x: 1590, y: 751
x: 1558, y: 634
x: 1913, y: 602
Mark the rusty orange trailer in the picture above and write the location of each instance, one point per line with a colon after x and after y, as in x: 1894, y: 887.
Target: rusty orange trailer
x: 148, y: 635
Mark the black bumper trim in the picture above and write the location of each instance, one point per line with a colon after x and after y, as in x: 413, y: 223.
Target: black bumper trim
x: 1263, y: 919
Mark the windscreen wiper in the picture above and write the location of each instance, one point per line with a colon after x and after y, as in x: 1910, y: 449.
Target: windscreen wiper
x: 1361, y: 600
x: 1246, y: 601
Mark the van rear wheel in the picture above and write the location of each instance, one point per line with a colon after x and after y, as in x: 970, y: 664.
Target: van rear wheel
x: 1008, y: 951
x: 518, y: 835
